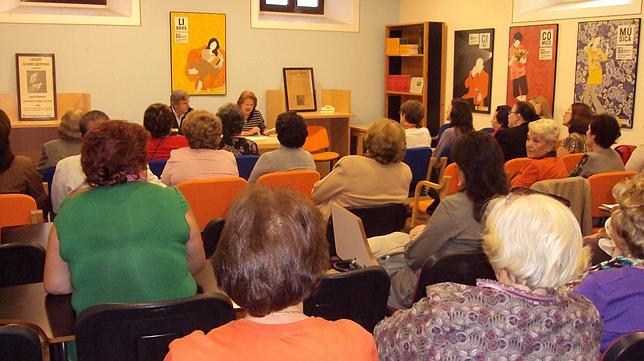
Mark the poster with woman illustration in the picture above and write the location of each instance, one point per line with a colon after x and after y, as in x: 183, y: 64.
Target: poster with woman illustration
x: 532, y: 61
x: 198, y: 52
x: 606, y: 68
x: 473, y: 57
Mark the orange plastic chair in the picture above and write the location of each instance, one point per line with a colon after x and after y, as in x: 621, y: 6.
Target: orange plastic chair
x: 513, y: 166
x: 300, y: 181
x: 571, y: 160
x: 211, y: 198
x: 18, y: 209
x: 452, y: 172
x: 317, y: 143
x: 601, y: 189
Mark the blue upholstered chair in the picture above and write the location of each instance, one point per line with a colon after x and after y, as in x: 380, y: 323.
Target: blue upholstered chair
x: 418, y: 161
x: 245, y: 165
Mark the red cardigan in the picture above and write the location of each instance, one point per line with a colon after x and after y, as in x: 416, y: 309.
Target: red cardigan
x: 538, y: 170
x: 159, y: 148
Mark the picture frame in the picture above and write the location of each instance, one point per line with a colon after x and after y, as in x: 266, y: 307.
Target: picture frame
x: 116, y: 12
x: 299, y: 89
x: 548, y: 10
x: 198, y: 53
x: 606, y: 67
x: 36, y: 86
x: 473, y: 59
x: 536, y: 76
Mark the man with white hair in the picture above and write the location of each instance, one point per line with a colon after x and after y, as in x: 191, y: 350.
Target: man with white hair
x: 180, y: 105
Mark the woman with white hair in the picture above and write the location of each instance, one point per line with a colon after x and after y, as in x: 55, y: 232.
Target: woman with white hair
x: 541, y: 147
x: 534, y: 245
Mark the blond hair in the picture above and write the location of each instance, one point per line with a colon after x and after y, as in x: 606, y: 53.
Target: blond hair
x: 628, y: 220
x: 69, y: 127
x: 202, y: 129
x: 547, y: 128
x: 536, y: 239
x: 385, y: 141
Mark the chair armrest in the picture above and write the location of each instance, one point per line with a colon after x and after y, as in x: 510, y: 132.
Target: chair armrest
x: 36, y: 217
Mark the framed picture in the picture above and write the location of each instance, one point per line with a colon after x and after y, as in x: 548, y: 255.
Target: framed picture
x: 532, y: 63
x: 99, y: 12
x: 198, y: 53
x: 548, y: 10
x: 606, y: 67
x: 473, y: 58
x: 36, y: 81
x: 299, y: 88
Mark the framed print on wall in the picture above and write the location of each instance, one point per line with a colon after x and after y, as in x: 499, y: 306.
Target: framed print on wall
x: 299, y: 89
x: 36, y: 81
x: 532, y: 63
x: 473, y: 57
x: 198, y: 52
x: 606, y: 67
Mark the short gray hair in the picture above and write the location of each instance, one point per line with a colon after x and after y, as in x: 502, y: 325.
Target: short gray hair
x: 547, y: 128
x: 178, y: 95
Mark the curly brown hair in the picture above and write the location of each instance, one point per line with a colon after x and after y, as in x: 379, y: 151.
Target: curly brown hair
x: 202, y: 129
x: 385, y: 141
x: 113, y: 150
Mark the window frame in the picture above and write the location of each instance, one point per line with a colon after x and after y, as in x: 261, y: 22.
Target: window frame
x: 292, y: 8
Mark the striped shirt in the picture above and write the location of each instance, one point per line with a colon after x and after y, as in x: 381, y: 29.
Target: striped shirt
x: 255, y: 119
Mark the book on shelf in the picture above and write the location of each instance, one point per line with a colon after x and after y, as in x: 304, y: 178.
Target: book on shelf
x: 416, y: 85
x: 408, y: 49
x: 392, y: 46
x: 398, y: 83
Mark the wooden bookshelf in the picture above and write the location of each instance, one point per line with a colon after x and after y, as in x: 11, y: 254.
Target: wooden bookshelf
x: 429, y: 64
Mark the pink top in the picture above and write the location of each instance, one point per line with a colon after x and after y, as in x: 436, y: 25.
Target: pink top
x: 186, y: 164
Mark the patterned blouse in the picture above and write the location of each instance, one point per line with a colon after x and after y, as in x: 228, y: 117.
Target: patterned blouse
x: 491, y: 322
x: 239, y: 146
x: 574, y: 143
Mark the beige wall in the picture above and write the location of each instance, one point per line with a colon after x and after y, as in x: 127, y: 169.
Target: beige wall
x: 471, y: 14
x: 127, y: 68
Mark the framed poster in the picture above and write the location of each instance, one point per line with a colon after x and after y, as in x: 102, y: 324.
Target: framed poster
x: 198, y: 52
x: 532, y: 63
x: 473, y: 57
x: 299, y: 89
x: 36, y: 81
x: 606, y: 67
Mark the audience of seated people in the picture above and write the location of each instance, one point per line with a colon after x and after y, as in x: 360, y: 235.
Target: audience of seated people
x: 233, y: 123
x: 254, y: 123
x: 600, y: 157
x: 202, y: 160
x: 122, y: 226
x: 512, y: 140
x: 18, y: 173
x: 158, y: 119
x: 378, y: 177
x: 455, y: 226
x: 291, y: 133
x: 615, y: 286
x: 271, y: 256
x: 460, y: 123
x: 500, y: 119
x: 577, y: 118
x: 69, y: 177
x: 412, y: 113
x: 541, y: 145
x: 67, y: 144
x: 534, y: 245
x: 541, y: 106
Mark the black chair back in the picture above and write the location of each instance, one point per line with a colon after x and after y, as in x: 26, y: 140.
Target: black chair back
x: 19, y: 343
x: 377, y: 221
x: 137, y: 332
x: 462, y: 268
x: 21, y: 263
x: 359, y: 295
x: 627, y: 348
x: 211, y: 234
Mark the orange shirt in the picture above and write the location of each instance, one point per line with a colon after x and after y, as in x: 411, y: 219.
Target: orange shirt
x: 538, y: 170
x: 312, y: 339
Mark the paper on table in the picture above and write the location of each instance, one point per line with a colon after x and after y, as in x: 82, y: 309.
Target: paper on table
x: 256, y: 138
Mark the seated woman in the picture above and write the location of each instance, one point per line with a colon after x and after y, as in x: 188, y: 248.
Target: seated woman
x: 534, y: 245
x: 377, y: 178
x: 122, y: 226
x: 254, y: 123
x: 460, y: 117
x: 412, y: 113
x: 67, y: 144
x: 541, y: 145
x: 541, y: 106
x: 576, y: 118
x: 17, y: 172
x: 456, y: 224
x: 512, y: 140
x: 291, y: 133
x: 268, y: 263
x: 500, y: 119
x: 202, y: 160
x: 232, y: 141
x: 615, y: 287
x: 600, y: 157
x: 158, y: 119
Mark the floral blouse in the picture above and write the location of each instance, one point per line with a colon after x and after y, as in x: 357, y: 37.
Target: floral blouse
x: 574, y: 143
x: 239, y: 146
x: 491, y: 322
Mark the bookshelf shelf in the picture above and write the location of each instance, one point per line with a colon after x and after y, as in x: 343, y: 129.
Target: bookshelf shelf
x: 389, y: 92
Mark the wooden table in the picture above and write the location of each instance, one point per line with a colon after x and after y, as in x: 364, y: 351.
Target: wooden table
x: 29, y: 233
x: 336, y: 124
x: 358, y: 133
x: 265, y: 143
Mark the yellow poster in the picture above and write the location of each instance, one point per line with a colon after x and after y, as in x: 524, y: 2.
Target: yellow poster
x: 198, y: 52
